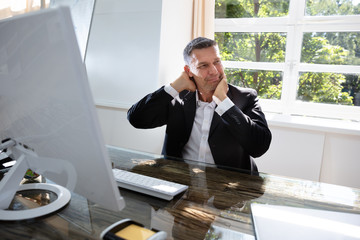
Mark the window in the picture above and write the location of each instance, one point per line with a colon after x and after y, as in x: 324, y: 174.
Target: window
x: 303, y: 57
x: 9, y: 8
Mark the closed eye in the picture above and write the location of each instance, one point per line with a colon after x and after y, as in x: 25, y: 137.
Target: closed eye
x: 203, y: 66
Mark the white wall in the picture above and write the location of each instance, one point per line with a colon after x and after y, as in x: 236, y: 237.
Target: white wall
x: 315, y: 149
x: 113, y: 22
x: 301, y: 148
x: 176, y: 31
x: 341, y: 160
x: 118, y: 132
x: 293, y: 152
x: 122, y: 56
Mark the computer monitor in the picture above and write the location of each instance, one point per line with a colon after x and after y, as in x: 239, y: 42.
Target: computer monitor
x: 48, y: 113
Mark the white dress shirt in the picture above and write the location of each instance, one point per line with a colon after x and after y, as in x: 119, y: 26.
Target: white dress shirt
x: 197, y: 148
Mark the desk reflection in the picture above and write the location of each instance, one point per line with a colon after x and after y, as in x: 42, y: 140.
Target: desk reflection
x: 212, y: 191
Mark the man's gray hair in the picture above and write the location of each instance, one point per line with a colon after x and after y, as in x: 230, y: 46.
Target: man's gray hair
x: 197, y: 43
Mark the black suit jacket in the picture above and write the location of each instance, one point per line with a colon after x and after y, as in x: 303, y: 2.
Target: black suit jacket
x: 235, y: 137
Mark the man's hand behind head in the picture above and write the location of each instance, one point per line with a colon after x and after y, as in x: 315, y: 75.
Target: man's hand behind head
x: 184, y: 82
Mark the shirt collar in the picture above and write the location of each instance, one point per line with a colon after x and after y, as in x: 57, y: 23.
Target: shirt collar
x: 212, y: 103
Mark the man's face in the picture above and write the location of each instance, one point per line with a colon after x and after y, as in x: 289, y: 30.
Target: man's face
x: 206, y: 68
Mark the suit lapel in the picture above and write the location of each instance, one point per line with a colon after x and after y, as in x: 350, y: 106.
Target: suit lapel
x: 214, y: 123
x: 189, y: 110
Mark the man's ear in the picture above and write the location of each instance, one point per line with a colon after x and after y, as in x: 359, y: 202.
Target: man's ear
x: 187, y: 70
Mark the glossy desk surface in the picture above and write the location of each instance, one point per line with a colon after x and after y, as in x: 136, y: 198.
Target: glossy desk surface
x: 217, y: 202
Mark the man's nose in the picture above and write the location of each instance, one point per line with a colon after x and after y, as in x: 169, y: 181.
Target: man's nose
x: 213, y: 69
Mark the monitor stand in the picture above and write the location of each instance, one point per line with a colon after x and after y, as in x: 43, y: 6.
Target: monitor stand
x: 10, y: 184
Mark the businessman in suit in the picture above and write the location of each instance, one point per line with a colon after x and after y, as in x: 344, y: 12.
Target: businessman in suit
x: 207, y: 119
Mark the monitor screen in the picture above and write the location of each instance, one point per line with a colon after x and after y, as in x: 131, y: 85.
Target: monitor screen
x: 46, y: 104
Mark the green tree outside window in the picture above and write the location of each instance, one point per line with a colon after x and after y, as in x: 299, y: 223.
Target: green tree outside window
x: 318, y: 48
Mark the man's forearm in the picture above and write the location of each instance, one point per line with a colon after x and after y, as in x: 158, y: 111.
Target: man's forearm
x: 150, y: 111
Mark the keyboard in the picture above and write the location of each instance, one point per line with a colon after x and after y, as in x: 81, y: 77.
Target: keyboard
x: 148, y: 185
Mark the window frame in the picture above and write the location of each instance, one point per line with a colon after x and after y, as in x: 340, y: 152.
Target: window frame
x: 295, y: 25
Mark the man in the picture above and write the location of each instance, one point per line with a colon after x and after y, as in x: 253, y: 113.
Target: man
x: 207, y: 119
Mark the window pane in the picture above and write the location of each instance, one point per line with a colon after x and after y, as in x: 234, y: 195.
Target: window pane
x: 252, y: 47
x: 334, y: 88
x: 341, y: 48
x: 267, y: 83
x: 332, y: 7
x: 9, y: 8
x: 251, y: 8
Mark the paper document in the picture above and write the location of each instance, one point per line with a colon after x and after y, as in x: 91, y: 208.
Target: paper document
x: 282, y: 222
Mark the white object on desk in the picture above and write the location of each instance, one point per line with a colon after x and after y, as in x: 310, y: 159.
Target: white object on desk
x: 283, y: 222
x: 148, y: 185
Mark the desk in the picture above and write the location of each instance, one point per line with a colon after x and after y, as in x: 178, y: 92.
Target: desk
x: 217, y: 202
